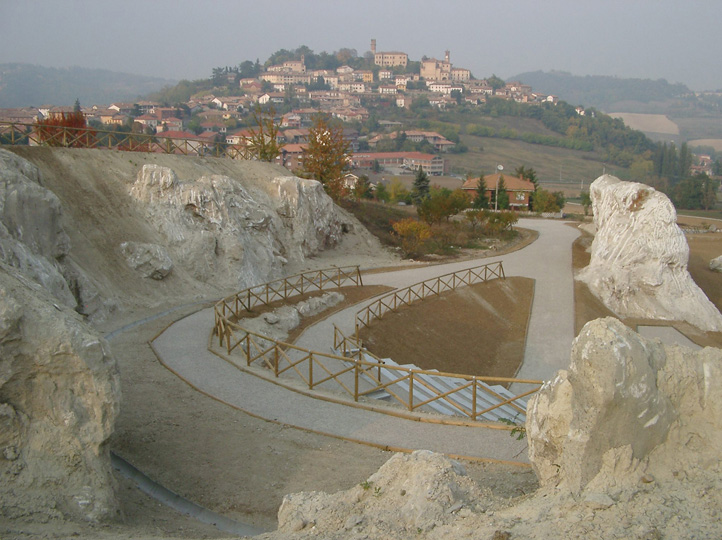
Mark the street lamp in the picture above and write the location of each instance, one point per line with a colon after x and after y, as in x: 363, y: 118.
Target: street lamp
x: 496, y: 189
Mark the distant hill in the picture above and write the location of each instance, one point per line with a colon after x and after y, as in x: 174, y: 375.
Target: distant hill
x: 26, y: 85
x: 604, y: 92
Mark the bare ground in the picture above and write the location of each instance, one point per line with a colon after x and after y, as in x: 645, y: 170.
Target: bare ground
x: 477, y: 330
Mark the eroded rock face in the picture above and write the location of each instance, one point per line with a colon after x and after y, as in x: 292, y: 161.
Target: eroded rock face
x: 149, y: 260
x: 59, y: 397
x: 214, y: 224
x: 626, y: 407
x: 638, y: 265
x: 33, y: 240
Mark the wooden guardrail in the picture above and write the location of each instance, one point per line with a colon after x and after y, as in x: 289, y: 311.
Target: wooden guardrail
x: 356, y: 372
x: 287, y: 287
x: 17, y: 133
x: 424, y: 289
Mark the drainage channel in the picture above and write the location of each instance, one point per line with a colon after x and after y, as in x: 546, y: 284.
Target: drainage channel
x: 178, y: 503
x: 163, y: 494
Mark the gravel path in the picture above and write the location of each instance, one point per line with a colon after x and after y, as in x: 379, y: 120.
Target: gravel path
x: 182, y: 347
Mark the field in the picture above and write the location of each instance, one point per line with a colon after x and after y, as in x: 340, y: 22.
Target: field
x: 648, y: 123
x: 714, y: 143
x: 549, y: 162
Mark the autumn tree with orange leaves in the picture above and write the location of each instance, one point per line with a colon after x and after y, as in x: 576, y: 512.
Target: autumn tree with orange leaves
x: 327, y: 155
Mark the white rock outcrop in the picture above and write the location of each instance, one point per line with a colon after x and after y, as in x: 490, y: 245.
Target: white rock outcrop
x: 410, y: 494
x: 149, y: 260
x: 716, y: 264
x: 627, y: 407
x: 59, y: 397
x: 639, y: 257
x: 216, y: 225
x: 34, y: 241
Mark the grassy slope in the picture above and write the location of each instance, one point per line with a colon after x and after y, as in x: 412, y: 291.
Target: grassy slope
x: 486, y: 153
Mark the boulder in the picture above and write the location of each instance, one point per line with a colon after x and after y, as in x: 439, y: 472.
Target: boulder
x: 627, y: 407
x: 716, y: 264
x: 149, y: 260
x: 59, y: 397
x: 638, y: 265
x: 409, y: 495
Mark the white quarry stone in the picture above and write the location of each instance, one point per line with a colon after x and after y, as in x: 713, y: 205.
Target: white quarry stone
x: 639, y: 257
x: 218, y: 226
x: 716, y: 264
x: 627, y: 407
x: 60, y: 397
x: 149, y: 260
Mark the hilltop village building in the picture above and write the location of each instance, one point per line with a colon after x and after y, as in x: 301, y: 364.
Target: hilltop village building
x: 389, y: 59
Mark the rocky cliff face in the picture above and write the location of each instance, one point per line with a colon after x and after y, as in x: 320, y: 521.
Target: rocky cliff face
x: 639, y: 257
x: 59, y: 396
x: 216, y: 226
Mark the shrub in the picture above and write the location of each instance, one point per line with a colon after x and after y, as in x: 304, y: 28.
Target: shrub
x: 413, y: 234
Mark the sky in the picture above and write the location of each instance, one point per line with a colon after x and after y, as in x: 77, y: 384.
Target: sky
x: 675, y: 40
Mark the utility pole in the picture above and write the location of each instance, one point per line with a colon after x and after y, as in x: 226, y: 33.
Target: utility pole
x: 496, y: 189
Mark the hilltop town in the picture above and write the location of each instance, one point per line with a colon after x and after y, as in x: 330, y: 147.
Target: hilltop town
x: 392, y: 80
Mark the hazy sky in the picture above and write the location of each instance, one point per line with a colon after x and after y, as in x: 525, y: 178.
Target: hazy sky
x: 678, y: 40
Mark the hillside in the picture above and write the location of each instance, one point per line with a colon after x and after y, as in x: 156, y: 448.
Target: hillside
x: 605, y: 92
x: 25, y: 85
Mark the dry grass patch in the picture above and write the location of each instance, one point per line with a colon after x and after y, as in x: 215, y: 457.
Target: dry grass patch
x: 476, y: 330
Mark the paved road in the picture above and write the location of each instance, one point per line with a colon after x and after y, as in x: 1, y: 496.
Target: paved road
x: 182, y: 347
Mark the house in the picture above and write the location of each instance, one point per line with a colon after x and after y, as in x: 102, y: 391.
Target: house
x: 123, y: 108
x: 410, y: 161
x: 518, y: 189
x: 439, y: 142
x: 364, y: 76
x: 272, y: 97
x: 291, y: 156
x: 148, y: 120
x: 385, y: 74
x: 389, y: 59
x: 388, y: 89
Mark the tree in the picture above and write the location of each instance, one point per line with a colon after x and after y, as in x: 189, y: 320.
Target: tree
x: 481, y: 200
x: 263, y: 142
x: 502, y: 202
x: 76, y: 107
x: 586, y: 201
x: 545, y: 201
x: 527, y: 173
x: 420, y: 191
x: 327, y: 155
x: 495, y: 82
x: 382, y: 193
x: 413, y: 235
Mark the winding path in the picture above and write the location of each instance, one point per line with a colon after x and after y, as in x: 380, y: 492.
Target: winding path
x: 182, y: 348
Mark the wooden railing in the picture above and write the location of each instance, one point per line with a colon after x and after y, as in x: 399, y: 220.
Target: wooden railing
x: 424, y: 289
x: 359, y: 377
x: 356, y: 372
x: 284, y: 288
x: 16, y: 133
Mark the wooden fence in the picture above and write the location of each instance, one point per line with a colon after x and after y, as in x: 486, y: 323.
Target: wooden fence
x: 356, y: 372
x: 424, y: 289
x: 284, y: 288
x: 16, y: 133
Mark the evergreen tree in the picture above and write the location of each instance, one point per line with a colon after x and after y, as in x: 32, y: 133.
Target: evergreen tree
x: 481, y: 200
x: 684, y: 163
x: 503, y: 198
x: 420, y: 191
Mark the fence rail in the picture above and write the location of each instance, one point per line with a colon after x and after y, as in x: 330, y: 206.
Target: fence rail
x: 356, y: 372
x: 424, y: 289
x: 18, y: 133
x: 284, y: 288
